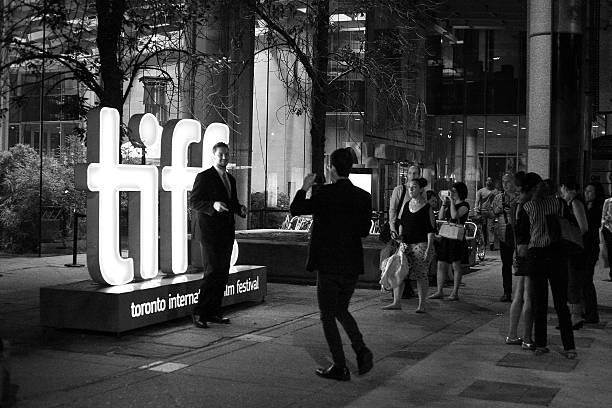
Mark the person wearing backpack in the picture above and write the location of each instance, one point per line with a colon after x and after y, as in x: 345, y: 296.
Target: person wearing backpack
x: 547, y: 265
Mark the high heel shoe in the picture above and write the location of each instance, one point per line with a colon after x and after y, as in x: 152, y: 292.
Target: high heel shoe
x: 528, y: 346
x: 514, y: 341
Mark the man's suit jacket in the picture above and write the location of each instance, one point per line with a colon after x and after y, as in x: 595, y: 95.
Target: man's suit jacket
x: 208, y: 224
x: 342, y: 215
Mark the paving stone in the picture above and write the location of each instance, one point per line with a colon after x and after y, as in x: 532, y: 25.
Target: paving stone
x: 151, y: 350
x: 254, y: 337
x: 192, y: 338
x: 409, y: 355
x: 547, y: 362
x: 167, y: 367
x: 510, y: 392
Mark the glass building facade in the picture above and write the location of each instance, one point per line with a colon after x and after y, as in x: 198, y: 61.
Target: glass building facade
x: 476, y: 87
x: 475, y: 126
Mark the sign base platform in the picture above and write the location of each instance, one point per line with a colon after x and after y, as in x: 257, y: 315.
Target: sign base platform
x: 87, y: 305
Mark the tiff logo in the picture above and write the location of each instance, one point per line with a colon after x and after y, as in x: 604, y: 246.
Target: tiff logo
x: 103, y: 177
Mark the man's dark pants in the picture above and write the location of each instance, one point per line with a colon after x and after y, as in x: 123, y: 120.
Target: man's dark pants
x: 334, y: 293
x: 588, y: 290
x: 549, y: 265
x: 506, y: 251
x: 216, y: 260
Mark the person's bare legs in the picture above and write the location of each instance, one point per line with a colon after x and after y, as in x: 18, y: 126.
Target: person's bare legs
x: 527, y: 314
x: 516, y: 308
x: 457, y: 281
x: 440, y: 278
x: 422, y: 287
x: 397, y: 298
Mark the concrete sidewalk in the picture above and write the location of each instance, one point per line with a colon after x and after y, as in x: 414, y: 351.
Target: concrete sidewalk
x: 452, y: 356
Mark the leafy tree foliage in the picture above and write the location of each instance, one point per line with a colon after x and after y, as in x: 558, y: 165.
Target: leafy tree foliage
x: 19, y: 191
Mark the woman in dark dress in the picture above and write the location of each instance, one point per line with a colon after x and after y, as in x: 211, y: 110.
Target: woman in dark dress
x: 576, y: 264
x: 451, y: 251
x: 594, y: 198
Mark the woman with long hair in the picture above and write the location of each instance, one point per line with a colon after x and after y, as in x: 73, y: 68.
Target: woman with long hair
x: 547, y: 264
x: 576, y: 264
x: 521, y: 308
x: 594, y: 199
x: 451, y: 251
x: 417, y: 230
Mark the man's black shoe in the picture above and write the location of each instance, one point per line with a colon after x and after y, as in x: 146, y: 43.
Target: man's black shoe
x: 198, y: 322
x: 334, y: 372
x: 365, y: 360
x: 218, y: 319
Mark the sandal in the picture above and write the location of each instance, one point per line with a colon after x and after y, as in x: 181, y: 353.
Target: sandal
x: 453, y: 298
x: 541, y: 350
x: 437, y: 295
x: 514, y: 341
x: 528, y: 346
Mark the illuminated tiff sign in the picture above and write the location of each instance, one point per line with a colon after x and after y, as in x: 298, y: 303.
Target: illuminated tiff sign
x: 157, y: 194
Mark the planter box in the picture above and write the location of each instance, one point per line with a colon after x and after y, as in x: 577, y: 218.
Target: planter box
x: 284, y: 253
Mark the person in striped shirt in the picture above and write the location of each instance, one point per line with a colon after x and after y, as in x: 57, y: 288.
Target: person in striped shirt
x: 547, y: 265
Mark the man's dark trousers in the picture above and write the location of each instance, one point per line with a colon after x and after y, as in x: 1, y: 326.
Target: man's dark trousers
x: 334, y: 292
x: 216, y: 259
x: 506, y: 252
x: 549, y: 265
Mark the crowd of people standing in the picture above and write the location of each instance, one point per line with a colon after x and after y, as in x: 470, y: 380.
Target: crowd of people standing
x: 529, y: 218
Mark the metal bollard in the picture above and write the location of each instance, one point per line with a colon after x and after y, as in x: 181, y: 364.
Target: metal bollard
x: 75, y: 237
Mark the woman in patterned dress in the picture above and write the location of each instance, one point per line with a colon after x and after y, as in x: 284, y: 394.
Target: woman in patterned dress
x: 417, y: 229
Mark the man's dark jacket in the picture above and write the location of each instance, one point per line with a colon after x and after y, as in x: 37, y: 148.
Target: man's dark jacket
x: 342, y: 215
x: 208, y: 224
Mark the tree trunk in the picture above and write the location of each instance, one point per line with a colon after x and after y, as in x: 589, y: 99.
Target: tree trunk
x: 110, y: 18
x: 320, y: 87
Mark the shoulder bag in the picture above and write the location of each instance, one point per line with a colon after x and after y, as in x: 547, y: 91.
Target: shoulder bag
x: 385, y: 230
x: 562, y: 231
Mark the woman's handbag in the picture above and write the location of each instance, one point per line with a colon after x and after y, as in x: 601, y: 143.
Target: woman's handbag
x: 561, y: 231
x: 394, y: 269
x: 451, y: 230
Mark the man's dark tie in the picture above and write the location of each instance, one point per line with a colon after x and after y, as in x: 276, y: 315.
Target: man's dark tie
x: 227, y: 185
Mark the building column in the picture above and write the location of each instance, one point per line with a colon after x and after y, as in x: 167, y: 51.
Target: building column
x: 555, y: 89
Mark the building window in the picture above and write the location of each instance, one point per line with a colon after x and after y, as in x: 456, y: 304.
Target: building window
x: 155, y: 91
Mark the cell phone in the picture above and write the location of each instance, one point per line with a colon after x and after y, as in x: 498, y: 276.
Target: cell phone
x: 445, y: 194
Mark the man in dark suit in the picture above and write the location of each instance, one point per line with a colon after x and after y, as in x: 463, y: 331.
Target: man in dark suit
x: 341, y: 216
x: 214, y: 201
